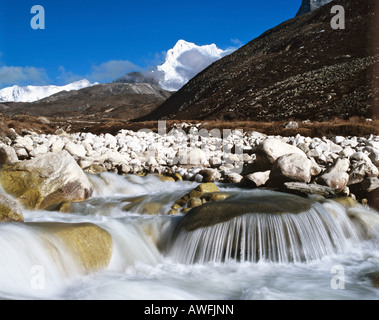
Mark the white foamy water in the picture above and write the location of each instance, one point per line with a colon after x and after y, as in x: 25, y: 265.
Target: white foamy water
x: 287, y: 258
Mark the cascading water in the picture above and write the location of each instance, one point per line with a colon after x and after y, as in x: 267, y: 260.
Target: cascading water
x: 239, y: 253
x: 281, y: 238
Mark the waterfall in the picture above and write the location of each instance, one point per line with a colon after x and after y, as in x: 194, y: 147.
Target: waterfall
x: 35, y: 262
x: 281, y: 238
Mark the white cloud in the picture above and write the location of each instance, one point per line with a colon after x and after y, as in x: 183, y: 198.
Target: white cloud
x: 102, y: 73
x: 14, y: 75
x: 66, y: 77
x: 111, y: 70
x: 192, y: 62
x: 237, y: 42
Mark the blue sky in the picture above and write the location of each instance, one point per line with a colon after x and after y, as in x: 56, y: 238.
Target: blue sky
x: 99, y: 40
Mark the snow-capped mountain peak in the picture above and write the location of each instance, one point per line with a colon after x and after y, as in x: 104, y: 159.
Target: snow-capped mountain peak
x: 35, y: 93
x: 184, y: 61
x: 310, y: 5
x: 182, y: 46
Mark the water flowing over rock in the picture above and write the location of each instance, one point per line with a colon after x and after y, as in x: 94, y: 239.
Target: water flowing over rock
x: 89, y: 245
x: 46, y: 181
x: 214, y: 213
x: 104, y: 252
x: 272, y: 227
x: 203, y: 193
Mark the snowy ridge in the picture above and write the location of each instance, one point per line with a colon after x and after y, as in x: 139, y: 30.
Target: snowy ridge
x: 310, y: 5
x: 35, y: 93
x: 186, y: 60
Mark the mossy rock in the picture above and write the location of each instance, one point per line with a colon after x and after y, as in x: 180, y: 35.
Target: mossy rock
x: 10, y: 210
x: 178, y: 177
x: 347, y: 202
x: 90, y: 245
x: 207, y: 188
x: 151, y: 208
x: 182, y: 201
x: 133, y: 202
x: 17, y: 182
x: 194, y: 202
x: 94, y: 169
x: 173, y: 212
x: 166, y: 178
x: 46, y: 182
x: 176, y: 206
x: 203, y: 193
x: 216, y: 196
x: 202, y: 189
x: 30, y: 199
x: 65, y: 207
x: 171, y: 177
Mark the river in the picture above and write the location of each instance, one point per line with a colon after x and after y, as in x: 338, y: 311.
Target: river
x: 147, y: 264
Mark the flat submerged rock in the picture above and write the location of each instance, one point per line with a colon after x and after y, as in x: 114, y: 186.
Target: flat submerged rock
x: 213, y: 213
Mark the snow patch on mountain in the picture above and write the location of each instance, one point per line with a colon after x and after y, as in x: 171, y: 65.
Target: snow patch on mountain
x: 184, y: 61
x: 35, y: 93
x: 310, y: 5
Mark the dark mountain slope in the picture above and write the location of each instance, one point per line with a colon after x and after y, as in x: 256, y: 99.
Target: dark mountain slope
x: 111, y: 100
x: 301, y: 69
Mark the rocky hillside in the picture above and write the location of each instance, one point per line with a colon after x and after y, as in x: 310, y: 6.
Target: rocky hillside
x: 301, y: 69
x: 112, y: 100
x: 138, y: 77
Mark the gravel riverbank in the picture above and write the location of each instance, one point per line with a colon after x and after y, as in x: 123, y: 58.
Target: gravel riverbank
x: 340, y: 166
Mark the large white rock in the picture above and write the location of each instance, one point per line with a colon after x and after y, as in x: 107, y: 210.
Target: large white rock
x: 114, y: 157
x: 57, y: 145
x: 373, y: 154
x: 7, y: 154
x: 362, y: 170
x: 192, y: 156
x: 39, y: 150
x: 256, y: 179
x: 335, y: 180
x: 76, y: 149
x: 341, y: 165
x: 291, y: 168
x: 271, y: 149
x: 46, y: 181
x: 234, y: 178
